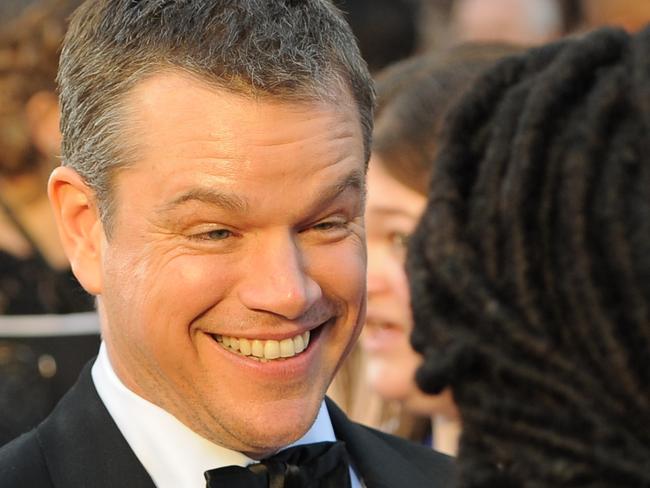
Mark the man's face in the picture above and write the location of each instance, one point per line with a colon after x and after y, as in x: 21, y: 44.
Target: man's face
x: 238, y: 232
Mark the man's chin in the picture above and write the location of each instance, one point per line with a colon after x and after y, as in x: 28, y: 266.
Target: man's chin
x: 267, y: 441
x: 263, y: 429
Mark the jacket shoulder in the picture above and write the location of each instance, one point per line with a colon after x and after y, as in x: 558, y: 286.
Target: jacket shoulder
x: 22, y: 464
x: 389, y: 461
x: 433, y: 464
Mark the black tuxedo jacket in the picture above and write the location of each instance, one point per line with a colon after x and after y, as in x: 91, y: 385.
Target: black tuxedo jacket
x: 79, y: 446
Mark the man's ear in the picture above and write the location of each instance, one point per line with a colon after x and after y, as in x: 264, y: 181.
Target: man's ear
x: 80, y: 227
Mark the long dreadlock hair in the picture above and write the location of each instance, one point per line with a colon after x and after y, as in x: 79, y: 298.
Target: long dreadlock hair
x: 530, y: 269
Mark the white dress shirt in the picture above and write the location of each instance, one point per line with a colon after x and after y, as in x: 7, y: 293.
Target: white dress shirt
x: 172, y: 454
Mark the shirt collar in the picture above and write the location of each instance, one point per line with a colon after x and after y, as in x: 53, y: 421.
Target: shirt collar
x: 174, y: 455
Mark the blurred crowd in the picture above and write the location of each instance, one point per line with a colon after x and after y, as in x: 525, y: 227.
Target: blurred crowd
x: 48, y: 330
x: 424, y: 55
x: 389, y: 30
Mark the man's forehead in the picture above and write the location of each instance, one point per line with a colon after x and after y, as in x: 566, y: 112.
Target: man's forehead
x: 178, y: 103
x: 190, y: 118
x: 189, y: 131
x: 163, y: 84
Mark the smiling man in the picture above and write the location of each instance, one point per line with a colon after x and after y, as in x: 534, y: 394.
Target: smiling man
x: 211, y: 197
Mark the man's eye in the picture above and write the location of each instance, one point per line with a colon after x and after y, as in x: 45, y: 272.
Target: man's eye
x: 329, y: 225
x: 214, y: 235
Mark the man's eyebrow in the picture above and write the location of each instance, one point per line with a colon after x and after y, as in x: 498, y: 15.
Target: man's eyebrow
x: 355, y: 180
x: 227, y: 201
x: 235, y: 203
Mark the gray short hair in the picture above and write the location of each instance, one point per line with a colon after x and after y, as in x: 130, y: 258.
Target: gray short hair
x: 297, y: 50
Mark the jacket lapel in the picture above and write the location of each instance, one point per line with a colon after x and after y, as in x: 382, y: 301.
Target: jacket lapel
x: 379, y: 463
x: 83, y: 446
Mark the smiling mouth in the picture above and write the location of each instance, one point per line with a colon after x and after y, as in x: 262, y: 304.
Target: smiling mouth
x: 265, y: 350
x: 383, y: 325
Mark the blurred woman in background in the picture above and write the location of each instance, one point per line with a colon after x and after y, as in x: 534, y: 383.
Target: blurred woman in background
x: 40, y: 355
x: 413, y: 97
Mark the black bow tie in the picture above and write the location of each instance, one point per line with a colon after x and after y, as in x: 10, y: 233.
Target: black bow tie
x: 320, y: 465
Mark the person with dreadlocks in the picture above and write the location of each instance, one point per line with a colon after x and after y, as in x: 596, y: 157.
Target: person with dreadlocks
x: 530, y: 269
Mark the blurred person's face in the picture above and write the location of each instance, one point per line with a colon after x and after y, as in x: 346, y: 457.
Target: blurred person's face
x: 238, y: 241
x: 632, y: 15
x: 42, y: 112
x: 392, y: 212
x: 526, y: 22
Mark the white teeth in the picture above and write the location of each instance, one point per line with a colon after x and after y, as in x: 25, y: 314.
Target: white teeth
x: 245, y: 347
x: 257, y: 348
x: 286, y: 348
x: 298, y: 344
x: 272, y: 350
x: 265, y: 350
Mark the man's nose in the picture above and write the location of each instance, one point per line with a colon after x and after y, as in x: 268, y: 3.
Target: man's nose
x: 277, y: 279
